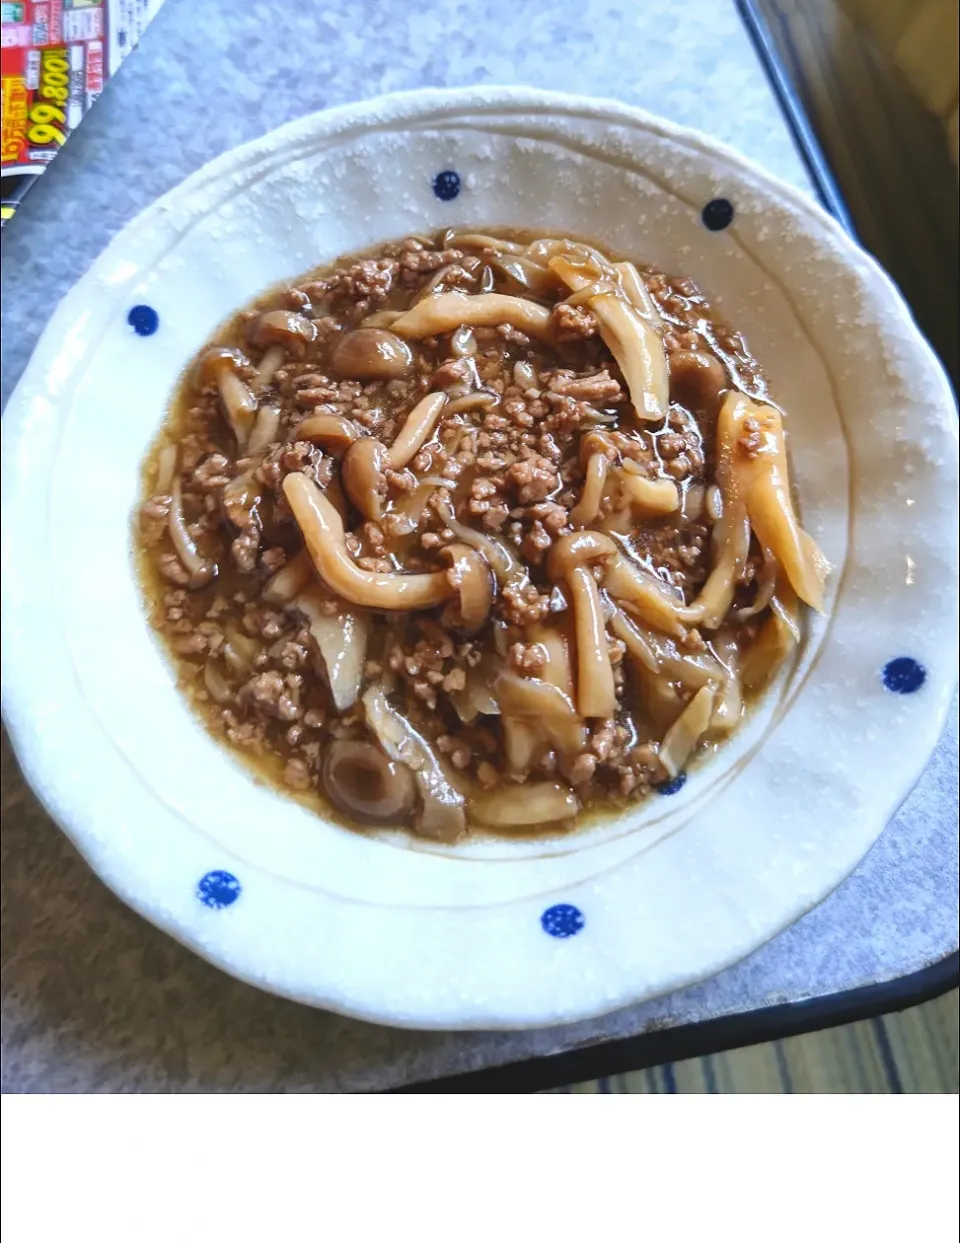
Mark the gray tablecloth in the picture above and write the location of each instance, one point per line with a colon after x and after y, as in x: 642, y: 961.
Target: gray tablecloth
x: 95, y: 1000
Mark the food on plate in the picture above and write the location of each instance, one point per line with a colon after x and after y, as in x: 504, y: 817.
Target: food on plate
x: 475, y: 532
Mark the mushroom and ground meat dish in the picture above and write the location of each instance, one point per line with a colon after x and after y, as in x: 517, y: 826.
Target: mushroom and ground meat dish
x: 474, y: 532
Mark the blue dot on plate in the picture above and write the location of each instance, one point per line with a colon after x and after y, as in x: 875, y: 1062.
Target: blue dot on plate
x: 904, y: 675
x: 717, y: 214
x: 446, y: 185
x: 673, y: 785
x: 562, y: 920
x: 143, y: 320
x: 218, y: 889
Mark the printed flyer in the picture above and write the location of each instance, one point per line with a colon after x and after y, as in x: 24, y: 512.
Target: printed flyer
x: 56, y: 57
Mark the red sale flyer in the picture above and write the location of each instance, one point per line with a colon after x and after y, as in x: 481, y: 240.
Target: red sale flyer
x: 56, y: 57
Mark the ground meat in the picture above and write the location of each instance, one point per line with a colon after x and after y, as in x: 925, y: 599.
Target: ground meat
x: 534, y: 478
x: 366, y: 282
x: 671, y: 445
x: 296, y: 773
x: 154, y: 514
x: 172, y: 569
x: 275, y: 695
x: 535, y: 543
x: 213, y: 473
x: 299, y: 457
x: 455, y: 371
x: 600, y: 388
x: 523, y: 605
x: 552, y: 516
x: 572, y: 323
x: 415, y: 260
x: 293, y: 655
x: 528, y: 658
x: 512, y: 336
x: 582, y: 769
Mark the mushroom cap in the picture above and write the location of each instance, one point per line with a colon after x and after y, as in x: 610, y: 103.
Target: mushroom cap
x: 213, y: 362
x: 371, y: 354
x: 287, y: 328
x: 360, y: 780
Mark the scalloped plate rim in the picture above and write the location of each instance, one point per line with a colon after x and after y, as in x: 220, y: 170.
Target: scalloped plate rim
x: 16, y: 707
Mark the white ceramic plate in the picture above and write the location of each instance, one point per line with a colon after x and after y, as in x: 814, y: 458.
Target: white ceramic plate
x: 491, y: 934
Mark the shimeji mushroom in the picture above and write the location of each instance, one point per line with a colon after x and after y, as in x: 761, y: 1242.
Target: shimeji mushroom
x: 364, y: 784
x: 447, y: 311
x: 200, y: 569
x: 325, y: 538
x: 334, y: 433
x: 568, y: 561
x: 279, y: 333
x: 371, y: 354
x: 220, y: 366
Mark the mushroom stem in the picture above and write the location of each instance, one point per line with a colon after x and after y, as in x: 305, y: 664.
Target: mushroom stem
x: 637, y: 644
x: 442, y: 813
x: 540, y: 802
x: 568, y: 558
x: 649, y: 496
x: 362, y: 475
x: 325, y: 538
x: 219, y: 365
x: 239, y: 404
x: 631, y: 282
x: 588, y: 507
x: 636, y: 346
x: 762, y: 480
x: 201, y: 571
x: 569, y: 551
x: 684, y: 734
x: 267, y: 368
x: 290, y: 580
x: 504, y: 562
x: 416, y: 430
x: 650, y: 599
x: 448, y: 311
x: 596, y: 693
x: 471, y: 576
x: 166, y: 465
x: 264, y: 429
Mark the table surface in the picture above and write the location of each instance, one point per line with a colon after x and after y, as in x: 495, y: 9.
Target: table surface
x: 94, y: 999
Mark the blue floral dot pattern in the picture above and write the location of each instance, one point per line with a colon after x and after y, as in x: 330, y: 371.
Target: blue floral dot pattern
x: 218, y: 889
x: 673, y: 785
x: 143, y: 320
x: 904, y: 675
x: 717, y: 214
x: 446, y: 185
x: 562, y: 920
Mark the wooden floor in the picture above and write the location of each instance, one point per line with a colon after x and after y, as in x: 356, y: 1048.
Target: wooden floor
x: 913, y: 1052
x: 888, y: 155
